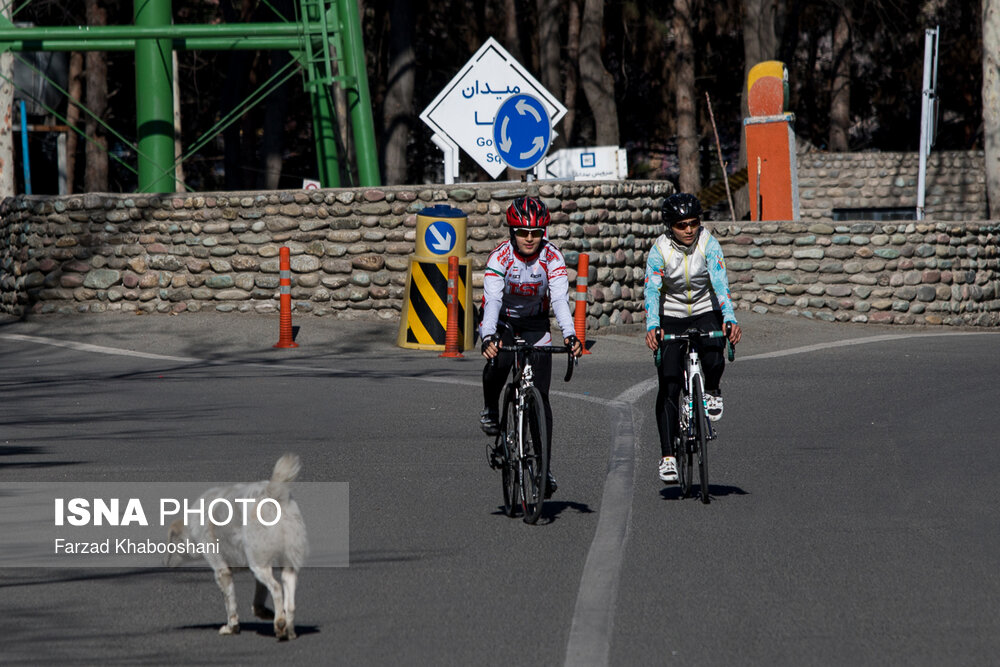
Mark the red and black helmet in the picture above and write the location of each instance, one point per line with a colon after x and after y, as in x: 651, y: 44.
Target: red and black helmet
x: 528, y: 212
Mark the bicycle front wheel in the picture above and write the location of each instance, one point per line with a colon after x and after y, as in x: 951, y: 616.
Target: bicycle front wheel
x: 682, y: 449
x: 701, y: 438
x: 507, y: 440
x: 534, y: 469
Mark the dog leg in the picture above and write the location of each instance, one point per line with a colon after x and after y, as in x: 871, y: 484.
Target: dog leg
x: 266, y: 577
x: 288, y: 579
x: 260, y: 609
x: 224, y: 577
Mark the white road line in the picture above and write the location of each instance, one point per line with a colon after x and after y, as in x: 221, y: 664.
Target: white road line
x: 86, y: 347
x: 860, y: 341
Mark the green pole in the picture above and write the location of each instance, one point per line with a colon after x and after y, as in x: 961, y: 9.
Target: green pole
x: 154, y: 109
x: 360, y: 102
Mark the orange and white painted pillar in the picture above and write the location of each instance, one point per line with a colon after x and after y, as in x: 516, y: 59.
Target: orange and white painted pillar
x: 771, y: 163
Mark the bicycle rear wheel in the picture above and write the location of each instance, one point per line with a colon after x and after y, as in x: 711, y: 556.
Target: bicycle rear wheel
x: 507, y: 441
x: 700, y: 419
x: 534, y: 469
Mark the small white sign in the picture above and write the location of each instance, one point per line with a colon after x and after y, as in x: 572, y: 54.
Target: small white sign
x: 309, y: 184
x: 594, y: 163
x: 465, y: 109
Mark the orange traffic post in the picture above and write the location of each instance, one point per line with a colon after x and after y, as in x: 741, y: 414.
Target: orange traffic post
x: 451, y: 332
x: 285, y: 283
x: 580, y: 314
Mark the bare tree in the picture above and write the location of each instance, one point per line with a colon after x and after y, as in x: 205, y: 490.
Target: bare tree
x: 840, y: 93
x: 511, y: 36
x: 398, y: 105
x: 572, y: 74
x: 549, y: 17
x: 991, y: 102
x: 96, y: 173
x: 598, y: 84
x: 75, y: 91
x: 684, y: 97
x: 6, y: 116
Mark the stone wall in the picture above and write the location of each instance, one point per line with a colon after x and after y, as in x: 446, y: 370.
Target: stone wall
x: 903, y: 273
x: 351, y: 249
x: 955, y: 188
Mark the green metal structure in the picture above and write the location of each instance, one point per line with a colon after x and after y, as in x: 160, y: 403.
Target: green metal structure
x: 324, y: 28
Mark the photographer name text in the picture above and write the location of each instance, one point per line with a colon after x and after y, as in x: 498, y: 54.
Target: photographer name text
x: 129, y: 546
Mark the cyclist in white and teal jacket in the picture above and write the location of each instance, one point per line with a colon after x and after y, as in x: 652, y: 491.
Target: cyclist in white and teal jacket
x: 686, y: 287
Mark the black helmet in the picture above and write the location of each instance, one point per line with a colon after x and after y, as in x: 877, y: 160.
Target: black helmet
x: 680, y: 206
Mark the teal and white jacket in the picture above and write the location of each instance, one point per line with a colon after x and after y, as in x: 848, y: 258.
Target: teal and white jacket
x: 686, y: 281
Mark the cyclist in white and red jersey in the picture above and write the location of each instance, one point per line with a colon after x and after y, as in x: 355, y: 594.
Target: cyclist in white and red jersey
x: 524, y: 276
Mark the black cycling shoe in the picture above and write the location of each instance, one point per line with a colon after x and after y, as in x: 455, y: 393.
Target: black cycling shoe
x: 550, y: 486
x: 488, y: 422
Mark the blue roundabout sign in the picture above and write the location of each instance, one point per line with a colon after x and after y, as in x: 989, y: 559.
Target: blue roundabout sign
x: 522, y: 131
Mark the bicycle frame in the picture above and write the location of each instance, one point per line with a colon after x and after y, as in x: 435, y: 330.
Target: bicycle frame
x: 693, y: 376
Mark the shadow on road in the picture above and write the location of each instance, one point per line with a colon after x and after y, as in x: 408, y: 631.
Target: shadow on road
x: 714, y: 490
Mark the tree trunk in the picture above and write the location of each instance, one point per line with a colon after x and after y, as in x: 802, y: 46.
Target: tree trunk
x: 549, y: 61
x: 684, y: 97
x: 75, y: 91
x: 398, y: 106
x: 275, y: 115
x: 840, y: 94
x: 511, y: 37
x: 991, y: 102
x: 572, y: 73
x: 598, y: 84
x: 6, y: 117
x: 96, y: 169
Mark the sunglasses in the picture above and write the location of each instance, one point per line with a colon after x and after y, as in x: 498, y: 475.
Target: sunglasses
x: 684, y: 224
x: 525, y: 233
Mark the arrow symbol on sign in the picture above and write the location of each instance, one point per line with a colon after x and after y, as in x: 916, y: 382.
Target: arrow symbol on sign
x: 538, y: 145
x: 505, y: 141
x: 441, y: 243
x: 523, y: 105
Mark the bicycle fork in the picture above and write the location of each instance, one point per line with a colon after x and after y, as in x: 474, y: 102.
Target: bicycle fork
x: 694, y: 374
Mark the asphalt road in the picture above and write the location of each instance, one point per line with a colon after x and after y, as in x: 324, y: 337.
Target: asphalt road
x: 853, y: 515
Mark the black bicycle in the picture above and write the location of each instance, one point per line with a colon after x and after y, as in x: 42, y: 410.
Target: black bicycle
x: 695, y: 429
x: 521, y: 449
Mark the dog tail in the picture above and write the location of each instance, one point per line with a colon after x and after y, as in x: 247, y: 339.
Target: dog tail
x: 285, y: 471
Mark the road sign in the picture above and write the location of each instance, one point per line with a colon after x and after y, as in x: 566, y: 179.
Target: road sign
x: 594, y: 163
x: 440, y: 237
x: 465, y: 109
x: 522, y: 131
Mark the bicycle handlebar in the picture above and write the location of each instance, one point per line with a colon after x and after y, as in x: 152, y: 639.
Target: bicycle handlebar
x: 691, y: 335
x: 547, y: 349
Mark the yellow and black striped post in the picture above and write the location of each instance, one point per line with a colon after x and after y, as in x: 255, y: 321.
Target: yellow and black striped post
x: 423, y: 322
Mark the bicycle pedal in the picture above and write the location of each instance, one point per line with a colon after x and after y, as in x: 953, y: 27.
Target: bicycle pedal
x: 494, y: 458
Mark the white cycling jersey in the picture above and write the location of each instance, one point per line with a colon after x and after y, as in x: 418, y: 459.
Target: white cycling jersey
x: 519, y: 289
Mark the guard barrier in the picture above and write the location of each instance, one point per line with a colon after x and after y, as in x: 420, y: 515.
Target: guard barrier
x: 285, y: 333
x: 423, y: 322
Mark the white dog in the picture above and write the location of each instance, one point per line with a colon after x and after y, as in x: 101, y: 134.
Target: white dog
x: 255, y: 545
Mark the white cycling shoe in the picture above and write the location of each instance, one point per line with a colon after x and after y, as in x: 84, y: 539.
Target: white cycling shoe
x: 668, y: 470
x: 713, y: 403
